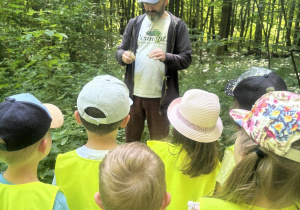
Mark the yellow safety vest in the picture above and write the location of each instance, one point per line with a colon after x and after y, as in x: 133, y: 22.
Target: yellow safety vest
x: 79, y: 179
x: 33, y: 196
x: 227, y: 165
x: 181, y: 187
x: 218, y: 204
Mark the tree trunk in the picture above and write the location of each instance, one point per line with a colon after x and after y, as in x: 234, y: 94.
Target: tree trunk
x: 290, y: 22
x: 258, y: 28
x: 122, y: 15
x: 296, y: 40
x: 181, y: 10
x: 224, y: 25
x: 212, y: 22
x: 177, y: 4
x: 278, y: 28
x: 128, y: 15
x: 171, y: 6
x: 133, y: 9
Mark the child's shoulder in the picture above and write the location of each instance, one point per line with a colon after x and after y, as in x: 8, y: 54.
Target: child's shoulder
x: 69, y: 154
x: 158, y: 143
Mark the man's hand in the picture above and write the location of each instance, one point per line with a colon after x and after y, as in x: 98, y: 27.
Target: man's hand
x: 128, y: 57
x: 157, y: 54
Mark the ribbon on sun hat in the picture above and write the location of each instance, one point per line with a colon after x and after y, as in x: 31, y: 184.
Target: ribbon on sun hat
x: 273, y: 122
x: 196, y: 115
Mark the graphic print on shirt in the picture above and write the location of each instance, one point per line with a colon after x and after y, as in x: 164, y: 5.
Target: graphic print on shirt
x: 153, y: 35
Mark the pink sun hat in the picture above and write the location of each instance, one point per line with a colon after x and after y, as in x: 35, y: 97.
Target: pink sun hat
x: 196, y: 115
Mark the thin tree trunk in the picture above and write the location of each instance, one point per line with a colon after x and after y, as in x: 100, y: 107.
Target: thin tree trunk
x: 290, y: 22
x: 171, y: 6
x: 177, y: 3
x: 181, y: 10
x: 212, y: 21
x: 278, y: 28
x: 133, y: 9
x: 224, y: 25
x: 296, y: 40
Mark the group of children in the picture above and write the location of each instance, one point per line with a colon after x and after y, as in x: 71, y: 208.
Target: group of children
x: 261, y: 170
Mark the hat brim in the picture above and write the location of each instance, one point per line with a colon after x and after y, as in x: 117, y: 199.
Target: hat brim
x: 189, y: 132
x: 148, y: 1
x: 56, y: 115
x: 229, y: 87
x: 238, y: 115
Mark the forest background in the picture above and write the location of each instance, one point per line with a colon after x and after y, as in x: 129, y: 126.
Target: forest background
x: 51, y: 48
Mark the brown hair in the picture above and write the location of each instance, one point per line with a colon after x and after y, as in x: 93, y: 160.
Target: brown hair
x: 201, y: 158
x: 274, y: 177
x: 132, y: 177
x: 101, y: 129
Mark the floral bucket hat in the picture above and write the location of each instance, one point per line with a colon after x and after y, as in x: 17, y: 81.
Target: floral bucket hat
x: 273, y: 122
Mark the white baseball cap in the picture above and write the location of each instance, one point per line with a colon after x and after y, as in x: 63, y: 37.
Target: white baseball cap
x: 107, y: 94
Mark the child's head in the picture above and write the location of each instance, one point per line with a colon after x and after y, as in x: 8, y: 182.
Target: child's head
x: 102, y: 104
x: 251, y: 85
x: 197, y: 126
x: 267, y: 150
x: 24, y: 124
x: 132, y: 177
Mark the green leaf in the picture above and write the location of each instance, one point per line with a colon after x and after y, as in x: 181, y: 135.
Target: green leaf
x: 37, y: 33
x: 4, y: 86
x: 29, y: 64
x: 28, y: 37
x: 49, y: 33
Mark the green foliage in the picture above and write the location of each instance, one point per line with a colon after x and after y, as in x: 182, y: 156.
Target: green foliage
x: 51, y: 50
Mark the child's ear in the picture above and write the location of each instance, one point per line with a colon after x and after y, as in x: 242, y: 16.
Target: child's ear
x: 43, y: 146
x: 98, y: 200
x: 77, y: 117
x: 125, y: 121
x: 166, y: 201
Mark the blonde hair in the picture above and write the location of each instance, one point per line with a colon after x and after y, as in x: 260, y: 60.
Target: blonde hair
x: 14, y: 157
x: 132, y: 177
x: 273, y: 177
x: 201, y: 158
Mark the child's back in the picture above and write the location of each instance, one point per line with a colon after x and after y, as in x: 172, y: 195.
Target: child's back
x: 103, y: 106
x: 191, y: 160
x: 24, y: 141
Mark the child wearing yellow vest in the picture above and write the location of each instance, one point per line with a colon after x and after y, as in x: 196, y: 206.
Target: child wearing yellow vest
x: 246, y: 90
x: 24, y: 141
x: 103, y: 106
x: 132, y: 177
x: 267, y: 153
x: 191, y: 158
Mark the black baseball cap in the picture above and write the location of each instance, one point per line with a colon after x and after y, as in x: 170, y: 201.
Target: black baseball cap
x: 24, y: 120
x: 252, y: 84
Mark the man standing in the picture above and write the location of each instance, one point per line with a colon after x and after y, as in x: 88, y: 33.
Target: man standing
x: 154, y: 47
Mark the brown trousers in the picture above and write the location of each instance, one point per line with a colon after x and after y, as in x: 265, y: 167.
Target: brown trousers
x: 146, y: 109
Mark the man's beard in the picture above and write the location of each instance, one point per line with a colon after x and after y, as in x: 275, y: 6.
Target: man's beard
x: 156, y: 15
